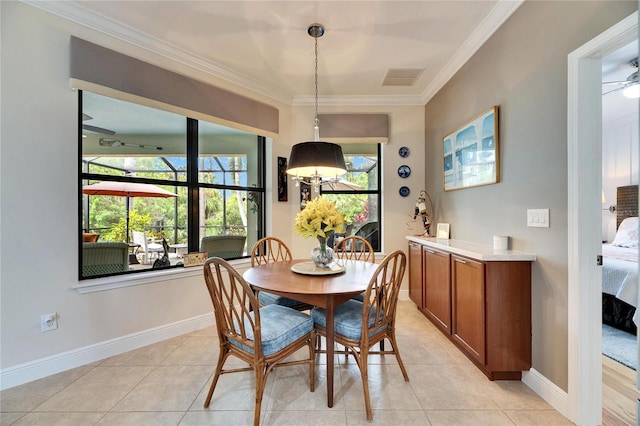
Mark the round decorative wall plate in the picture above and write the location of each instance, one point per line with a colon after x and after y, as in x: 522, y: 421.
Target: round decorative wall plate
x: 404, y: 152
x: 404, y: 171
x: 404, y: 191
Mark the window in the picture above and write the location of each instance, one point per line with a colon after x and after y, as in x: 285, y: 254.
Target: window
x: 150, y: 176
x: 357, y: 194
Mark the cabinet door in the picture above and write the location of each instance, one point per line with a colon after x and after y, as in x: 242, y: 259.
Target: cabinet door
x: 415, y: 273
x: 437, y: 287
x: 468, y: 324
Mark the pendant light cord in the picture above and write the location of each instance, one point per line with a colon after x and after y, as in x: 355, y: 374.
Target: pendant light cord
x: 316, y: 160
x: 316, y: 122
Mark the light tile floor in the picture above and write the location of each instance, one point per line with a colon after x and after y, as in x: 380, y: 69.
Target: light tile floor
x: 166, y: 384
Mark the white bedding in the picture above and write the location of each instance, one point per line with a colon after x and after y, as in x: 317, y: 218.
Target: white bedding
x: 620, y: 274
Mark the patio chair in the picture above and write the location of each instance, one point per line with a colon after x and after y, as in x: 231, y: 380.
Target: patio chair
x: 268, y: 250
x: 263, y: 337
x: 370, y: 232
x: 358, y: 326
x: 104, y: 258
x: 225, y: 246
x: 147, y: 248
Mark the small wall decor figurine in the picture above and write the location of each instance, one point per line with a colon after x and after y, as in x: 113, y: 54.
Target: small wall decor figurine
x: 422, y: 211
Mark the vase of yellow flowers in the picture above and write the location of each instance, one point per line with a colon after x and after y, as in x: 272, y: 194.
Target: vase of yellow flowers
x: 320, y: 219
x: 322, y: 255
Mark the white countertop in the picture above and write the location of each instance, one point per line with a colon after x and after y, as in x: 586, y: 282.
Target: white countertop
x: 472, y: 250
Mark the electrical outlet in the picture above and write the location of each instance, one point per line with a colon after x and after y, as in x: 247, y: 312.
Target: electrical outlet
x: 49, y: 322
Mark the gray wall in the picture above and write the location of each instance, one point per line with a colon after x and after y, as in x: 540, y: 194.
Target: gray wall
x: 523, y: 70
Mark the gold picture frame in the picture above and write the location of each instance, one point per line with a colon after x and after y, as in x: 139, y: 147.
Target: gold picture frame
x: 471, y: 153
x: 194, y: 259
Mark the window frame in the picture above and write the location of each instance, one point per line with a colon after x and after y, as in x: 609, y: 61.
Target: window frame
x: 191, y: 184
x: 377, y: 192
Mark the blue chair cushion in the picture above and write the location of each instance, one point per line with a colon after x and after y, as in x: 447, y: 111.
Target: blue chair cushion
x: 281, y: 326
x: 347, y: 319
x: 272, y: 299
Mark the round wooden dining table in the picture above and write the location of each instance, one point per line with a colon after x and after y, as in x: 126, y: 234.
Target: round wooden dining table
x: 319, y: 288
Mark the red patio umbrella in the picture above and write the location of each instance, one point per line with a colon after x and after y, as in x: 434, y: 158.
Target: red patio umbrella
x: 126, y: 189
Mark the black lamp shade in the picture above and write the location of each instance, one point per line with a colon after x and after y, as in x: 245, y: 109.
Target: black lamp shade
x: 316, y: 159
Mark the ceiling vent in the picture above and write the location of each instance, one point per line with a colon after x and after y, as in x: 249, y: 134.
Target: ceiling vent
x: 402, y: 76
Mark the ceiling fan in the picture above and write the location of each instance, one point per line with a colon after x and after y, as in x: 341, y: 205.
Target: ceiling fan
x: 95, y: 129
x: 630, y: 86
x: 117, y: 142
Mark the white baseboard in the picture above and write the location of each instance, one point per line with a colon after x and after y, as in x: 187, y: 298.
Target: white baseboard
x: 403, y: 295
x: 43, y: 367
x: 547, y: 390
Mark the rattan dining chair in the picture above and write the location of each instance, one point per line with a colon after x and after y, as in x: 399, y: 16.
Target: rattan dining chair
x: 269, y: 250
x: 354, y: 248
x: 263, y: 337
x: 360, y: 325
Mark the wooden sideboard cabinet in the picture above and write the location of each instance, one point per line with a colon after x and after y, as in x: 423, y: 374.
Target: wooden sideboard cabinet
x: 480, y: 299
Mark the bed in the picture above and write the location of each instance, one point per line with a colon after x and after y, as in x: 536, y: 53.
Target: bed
x: 620, y: 265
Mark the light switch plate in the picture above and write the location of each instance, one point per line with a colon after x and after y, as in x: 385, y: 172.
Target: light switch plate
x: 538, y: 218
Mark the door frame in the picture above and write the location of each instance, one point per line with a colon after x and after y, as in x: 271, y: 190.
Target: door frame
x: 584, y: 183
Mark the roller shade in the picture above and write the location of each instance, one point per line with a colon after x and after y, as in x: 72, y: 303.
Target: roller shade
x: 354, y: 128
x: 96, y: 66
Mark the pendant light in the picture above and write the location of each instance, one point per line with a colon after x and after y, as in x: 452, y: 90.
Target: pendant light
x: 310, y: 162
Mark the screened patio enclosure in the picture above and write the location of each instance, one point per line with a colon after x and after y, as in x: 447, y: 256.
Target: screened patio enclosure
x: 215, y: 173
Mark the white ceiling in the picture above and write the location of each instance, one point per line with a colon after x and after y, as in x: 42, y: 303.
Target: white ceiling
x: 264, y: 45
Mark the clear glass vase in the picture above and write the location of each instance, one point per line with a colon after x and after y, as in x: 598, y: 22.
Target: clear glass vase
x: 322, y: 255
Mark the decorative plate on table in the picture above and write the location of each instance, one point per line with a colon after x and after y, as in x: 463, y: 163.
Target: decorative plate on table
x: 310, y: 268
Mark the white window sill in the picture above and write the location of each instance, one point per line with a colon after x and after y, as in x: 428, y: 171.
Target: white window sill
x: 153, y: 276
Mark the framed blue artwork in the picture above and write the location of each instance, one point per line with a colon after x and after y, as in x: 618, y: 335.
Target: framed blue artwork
x: 471, y: 154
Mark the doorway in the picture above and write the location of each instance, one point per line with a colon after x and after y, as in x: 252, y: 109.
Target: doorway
x: 584, y: 132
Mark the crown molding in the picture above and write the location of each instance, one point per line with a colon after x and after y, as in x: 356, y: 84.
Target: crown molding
x: 75, y: 12
x: 78, y: 14
x: 498, y: 15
